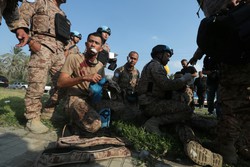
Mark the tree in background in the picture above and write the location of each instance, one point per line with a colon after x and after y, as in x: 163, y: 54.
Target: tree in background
x: 14, y: 65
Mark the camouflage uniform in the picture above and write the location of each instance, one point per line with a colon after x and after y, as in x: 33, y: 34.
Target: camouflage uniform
x: 78, y: 103
x: 9, y: 11
x: 159, y: 102
x: 127, y: 78
x: 155, y: 91
x: 233, y: 127
x: 49, y: 59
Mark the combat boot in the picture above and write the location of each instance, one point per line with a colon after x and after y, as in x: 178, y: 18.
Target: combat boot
x: 36, y: 126
x: 202, y: 156
x: 152, y: 125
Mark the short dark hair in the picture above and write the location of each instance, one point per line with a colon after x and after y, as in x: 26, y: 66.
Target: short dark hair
x: 133, y: 52
x: 96, y: 34
x: 183, y: 60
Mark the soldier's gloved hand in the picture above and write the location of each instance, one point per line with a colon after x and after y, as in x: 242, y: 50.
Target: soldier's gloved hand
x: 186, y: 77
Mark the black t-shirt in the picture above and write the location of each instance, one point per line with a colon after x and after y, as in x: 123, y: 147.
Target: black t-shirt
x: 189, y: 69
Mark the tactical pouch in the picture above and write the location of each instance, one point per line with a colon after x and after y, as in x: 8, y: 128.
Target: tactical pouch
x: 62, y: 27
x: 40, y: 23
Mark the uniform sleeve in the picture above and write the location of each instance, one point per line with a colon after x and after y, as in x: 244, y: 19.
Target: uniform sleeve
x: 13, y: 19
x: 161, y: 79
x: 116, y: 76
x: 27, y: 10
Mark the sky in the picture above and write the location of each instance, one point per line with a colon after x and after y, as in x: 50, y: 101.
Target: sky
x: 136, y: 25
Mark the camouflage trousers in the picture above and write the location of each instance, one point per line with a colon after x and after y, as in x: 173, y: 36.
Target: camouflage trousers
x: 234, y: 124
x: 119, y: 110
x: 41, y: 63
x: 169, y: 111
x: 82, y: 114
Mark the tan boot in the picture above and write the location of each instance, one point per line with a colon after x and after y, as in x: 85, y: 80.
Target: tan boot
x: 36, y: 126
x: 152, y: 125
x: 202, y: 156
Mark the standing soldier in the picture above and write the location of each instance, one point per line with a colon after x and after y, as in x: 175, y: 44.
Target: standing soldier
x: 72, y: 47
x: 9, y: 11
x: 49, y: 30
x: 224, y: 35
x: 104, y: 54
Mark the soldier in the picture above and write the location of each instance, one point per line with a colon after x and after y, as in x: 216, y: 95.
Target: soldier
x: 77, y: 74
x: 104, y: 54
x: 9, y: 10
x: 127, y: 77
x: 49, y: 30
x: 72, y: 47
x: 155, y: 97
x: 224, y: 35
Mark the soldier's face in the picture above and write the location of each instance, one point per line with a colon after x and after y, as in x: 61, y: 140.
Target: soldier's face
x: 133, y: 58
x: 93, y: 42
x: 165, y: 58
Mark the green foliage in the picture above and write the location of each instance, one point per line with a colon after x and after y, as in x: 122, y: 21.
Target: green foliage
x: 14, y: 65
x: 142, y: 140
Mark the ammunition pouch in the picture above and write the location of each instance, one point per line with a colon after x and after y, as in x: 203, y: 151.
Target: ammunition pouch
x: 62, y: 28
x: 226, y: 35
x: 131, y: 96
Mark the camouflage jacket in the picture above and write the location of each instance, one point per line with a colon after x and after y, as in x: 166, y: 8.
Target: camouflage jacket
x: 9, y: 10
x: 126, y: 78
x: 154, y: 83
x: 40, y: 17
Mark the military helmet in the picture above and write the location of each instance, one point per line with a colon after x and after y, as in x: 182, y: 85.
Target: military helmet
x: 76, y: 34
x: 161, y: 49
x: 104, y: 29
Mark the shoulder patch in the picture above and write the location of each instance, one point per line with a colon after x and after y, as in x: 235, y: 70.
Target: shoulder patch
x: 116, y: 74
x: 31, y: 1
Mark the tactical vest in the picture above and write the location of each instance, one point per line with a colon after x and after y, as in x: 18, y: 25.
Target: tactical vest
x: 225, y: 36
x: 41, y: 23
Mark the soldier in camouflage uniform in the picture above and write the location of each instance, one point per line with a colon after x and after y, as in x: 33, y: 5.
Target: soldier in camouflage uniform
x: 233, y: 127
x: 72, y: 48
x: 77, y: 73
x: 46, y: 21
x: 9, y: 11
x: 156, y: 101
x: 127, y: 77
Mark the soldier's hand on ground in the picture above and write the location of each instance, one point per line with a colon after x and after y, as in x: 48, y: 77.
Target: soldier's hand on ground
x: 186, y: 77
x: 22, y: 36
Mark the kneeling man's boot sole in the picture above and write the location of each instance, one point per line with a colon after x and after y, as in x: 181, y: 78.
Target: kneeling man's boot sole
x: 36, y: 126
x: 203, y: 156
